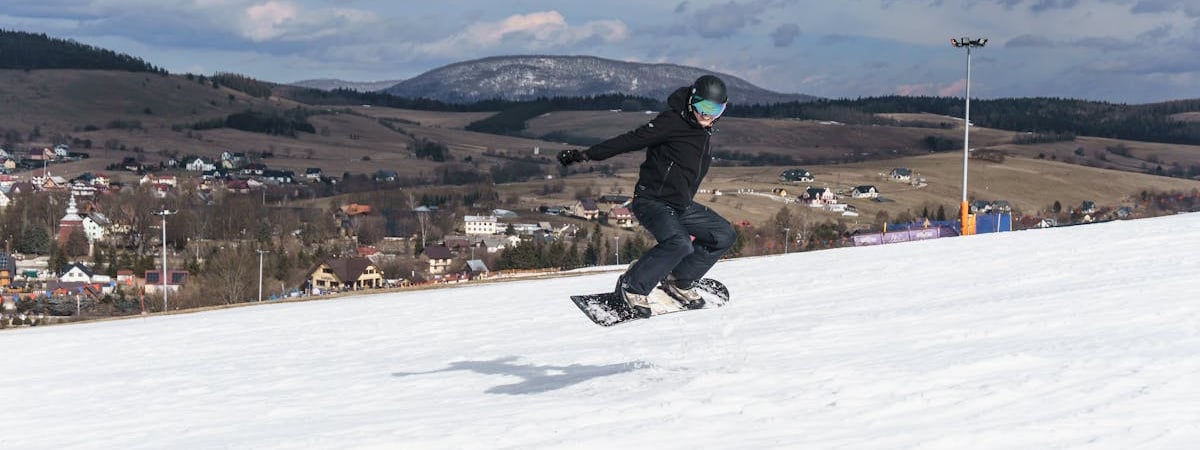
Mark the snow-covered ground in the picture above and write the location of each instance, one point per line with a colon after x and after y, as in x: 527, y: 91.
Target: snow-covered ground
x: 1062, y: 338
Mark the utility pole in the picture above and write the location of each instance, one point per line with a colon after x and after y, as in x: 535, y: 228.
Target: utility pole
x: 163, y: 276
x: 786, y: 236
x: 968, y: 44
x: 260, y: 272
x: 617, y: 246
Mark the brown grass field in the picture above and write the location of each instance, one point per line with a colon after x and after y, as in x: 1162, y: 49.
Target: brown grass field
x: 353, y: 139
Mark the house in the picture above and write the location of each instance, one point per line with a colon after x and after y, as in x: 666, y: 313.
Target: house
x: 200, y: 165
x: 620, y: 216
x: 214, y: 174
x: 477, y: 268
x: 981, y: 207
x: 237, y: 186
x: 95, y: 226
x: 101, y: 180
x: 355, y: 209
x: 75, y: 272
x: 900, y: 174
x: 154, y: 282
x: 438, y: 257
x: 80, y: 189
x: 585, y: 209
x: 60, y: 289
x: 279, y: 176
x: 497, y: 242
x: 342, y: 274
x: 817, y: 196
x: 1027, y: 222
x: 385, y: 175
x: 233, y: 161
x: 865, y: 191
x: 609, y: 201
x: 8, y: 269
x: 254, y: 169
x: 796, y: 176
x: 480, y: 225
x: 163, y: 180
x: 1087, y: 207
x: 504, y: 214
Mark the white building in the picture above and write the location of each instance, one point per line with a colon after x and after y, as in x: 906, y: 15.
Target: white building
x: 95, y: 226
x: 480, y: 225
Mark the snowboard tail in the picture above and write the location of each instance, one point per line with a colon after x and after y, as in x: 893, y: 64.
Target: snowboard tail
x: 609, y: 308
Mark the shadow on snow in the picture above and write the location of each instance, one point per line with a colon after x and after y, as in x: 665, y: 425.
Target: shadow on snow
x: 537, y: 378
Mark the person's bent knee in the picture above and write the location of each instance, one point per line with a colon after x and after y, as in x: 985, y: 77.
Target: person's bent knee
x: 724, y: 238
x: 678, y: 245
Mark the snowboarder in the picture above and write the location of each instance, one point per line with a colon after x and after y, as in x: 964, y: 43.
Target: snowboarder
x: 690, y: 236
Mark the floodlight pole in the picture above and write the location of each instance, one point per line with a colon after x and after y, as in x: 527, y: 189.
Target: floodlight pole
x: 967, y: 43
x: 260, y: 272
x: 163, y: 276
x: 617, y: 247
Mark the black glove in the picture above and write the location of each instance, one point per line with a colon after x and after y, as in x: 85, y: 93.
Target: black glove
x: 570, y: 156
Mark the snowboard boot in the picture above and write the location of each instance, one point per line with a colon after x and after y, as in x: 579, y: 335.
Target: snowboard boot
x: 638, y: 303
x: 683, y: 292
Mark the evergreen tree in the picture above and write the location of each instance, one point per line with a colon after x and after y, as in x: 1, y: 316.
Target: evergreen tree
x: 35, y: 240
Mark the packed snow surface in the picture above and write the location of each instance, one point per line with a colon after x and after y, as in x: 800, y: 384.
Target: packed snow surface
x: 1080, y: 337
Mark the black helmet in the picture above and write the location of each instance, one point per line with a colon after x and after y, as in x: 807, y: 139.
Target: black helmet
x: 711, y: 88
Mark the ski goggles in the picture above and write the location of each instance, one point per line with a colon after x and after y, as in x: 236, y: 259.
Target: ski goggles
x: 708, y: 107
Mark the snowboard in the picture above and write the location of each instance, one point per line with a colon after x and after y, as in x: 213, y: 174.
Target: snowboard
x: 608, y: 308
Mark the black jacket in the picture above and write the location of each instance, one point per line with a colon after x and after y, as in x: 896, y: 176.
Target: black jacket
x: 678, y: 153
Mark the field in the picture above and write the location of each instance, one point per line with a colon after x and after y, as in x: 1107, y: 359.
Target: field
x: 78, y: 106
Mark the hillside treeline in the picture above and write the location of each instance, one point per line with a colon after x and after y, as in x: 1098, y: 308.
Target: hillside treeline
x: 30, y: 51
x: 1045, y: 115
x: 1040, y: 115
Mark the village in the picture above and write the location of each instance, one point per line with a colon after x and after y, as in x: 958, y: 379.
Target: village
x: 60, y: 282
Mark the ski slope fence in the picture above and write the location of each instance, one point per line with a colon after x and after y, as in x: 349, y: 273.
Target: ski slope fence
x: 893, y: 237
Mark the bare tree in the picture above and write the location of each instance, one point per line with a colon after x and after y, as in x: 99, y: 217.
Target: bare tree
x: 230, y: 276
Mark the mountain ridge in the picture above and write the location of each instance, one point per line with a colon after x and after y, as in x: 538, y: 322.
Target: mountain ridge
x: 528, y: 77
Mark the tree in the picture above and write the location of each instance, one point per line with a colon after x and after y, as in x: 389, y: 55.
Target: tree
x: 77, y: 243
x: 226, y: 279
x: 35, y: 240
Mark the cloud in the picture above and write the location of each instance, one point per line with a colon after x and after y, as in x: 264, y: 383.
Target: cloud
x: 1191, y: 9
x: 534, y: 31
x: 723, y: 20
x: 785, y: 34
x: 955, y: 88
x: 1029, y: 40
x: 1041, y: 6
x: 1102, y: 43
x: 282, y: 20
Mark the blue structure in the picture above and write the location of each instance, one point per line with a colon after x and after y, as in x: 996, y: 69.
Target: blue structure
x: 993, y: 222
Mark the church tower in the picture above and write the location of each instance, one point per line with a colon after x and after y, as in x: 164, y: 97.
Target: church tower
x: 69, y: 223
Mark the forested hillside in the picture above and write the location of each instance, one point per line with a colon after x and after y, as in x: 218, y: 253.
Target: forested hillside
x: 30, y: 51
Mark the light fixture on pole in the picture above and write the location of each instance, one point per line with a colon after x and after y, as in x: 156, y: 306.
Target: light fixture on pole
x: 786, y: 237
x: 617, y: 247
x: 968, y: 44
x: 260, y: 271
x: 163, y: 276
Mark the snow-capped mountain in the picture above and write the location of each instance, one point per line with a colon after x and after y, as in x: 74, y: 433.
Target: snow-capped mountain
x: 530, y: 77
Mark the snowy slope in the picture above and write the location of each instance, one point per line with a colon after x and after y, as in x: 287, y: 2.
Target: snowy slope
x: 1061, y: 338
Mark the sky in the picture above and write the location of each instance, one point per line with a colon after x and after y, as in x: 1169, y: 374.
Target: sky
x: 1127, y: 51
x: 1074, y: 337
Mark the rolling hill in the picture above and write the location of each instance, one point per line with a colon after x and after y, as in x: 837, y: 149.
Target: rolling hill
x: 531, y: 77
